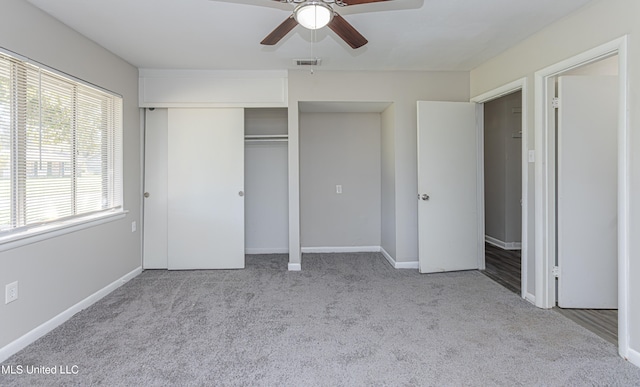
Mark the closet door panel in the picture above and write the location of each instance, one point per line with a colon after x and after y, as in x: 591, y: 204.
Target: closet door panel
x: 206, y: 189
x: 155, y: 187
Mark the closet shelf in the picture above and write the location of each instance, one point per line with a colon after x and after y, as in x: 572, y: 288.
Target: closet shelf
x: 266, y: 137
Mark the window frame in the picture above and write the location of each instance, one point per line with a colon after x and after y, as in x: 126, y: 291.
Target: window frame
x: 18, y: 235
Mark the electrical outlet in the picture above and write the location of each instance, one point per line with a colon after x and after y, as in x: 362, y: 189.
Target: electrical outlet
x: 11, y: 292
x: 338, y: 189
x: 134, y: 226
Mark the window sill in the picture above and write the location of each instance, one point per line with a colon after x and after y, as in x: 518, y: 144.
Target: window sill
x: 40, y: 233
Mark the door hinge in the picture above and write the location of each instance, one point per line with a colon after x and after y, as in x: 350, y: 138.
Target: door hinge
x: 555, y: 271
x: 555, y: 102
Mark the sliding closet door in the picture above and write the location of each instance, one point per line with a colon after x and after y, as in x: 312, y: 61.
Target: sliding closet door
x: 155, y: 187
x: 205, y: 189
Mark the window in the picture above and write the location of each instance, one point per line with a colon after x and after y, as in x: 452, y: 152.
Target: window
x: 60, y: 147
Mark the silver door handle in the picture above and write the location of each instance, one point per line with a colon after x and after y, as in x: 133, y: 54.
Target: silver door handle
x: 241, y: 193
x: 424, y: 197
x: 146, y: 194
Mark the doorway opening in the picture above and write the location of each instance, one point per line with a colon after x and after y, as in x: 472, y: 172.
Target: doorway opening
x: 585, y: 126
x: 503, y: 190
x: 547, y: 212
x: 505, y: 261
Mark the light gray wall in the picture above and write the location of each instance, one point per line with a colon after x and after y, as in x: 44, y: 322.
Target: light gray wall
x: 265, y: 183
x: 597, y: 23
x: 340, y: 149
x: 502, y: 168
x: 403, y: 89
x: 57, y: 273
x: 388, y: 189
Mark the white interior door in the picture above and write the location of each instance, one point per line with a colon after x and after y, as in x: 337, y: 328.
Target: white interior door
x: 155, y: 186
x: 205, y: 185
x: 447, y: 186
x: 587, y: 192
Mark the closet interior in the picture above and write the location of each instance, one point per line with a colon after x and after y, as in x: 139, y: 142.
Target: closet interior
x: 266, y: 181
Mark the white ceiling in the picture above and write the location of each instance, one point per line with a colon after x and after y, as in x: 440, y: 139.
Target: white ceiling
x: 225, y: 34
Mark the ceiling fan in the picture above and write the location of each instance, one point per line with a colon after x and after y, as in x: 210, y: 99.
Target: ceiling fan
x: 315, y: 14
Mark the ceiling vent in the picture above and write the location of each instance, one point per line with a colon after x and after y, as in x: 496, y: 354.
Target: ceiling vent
x: 307, y: 62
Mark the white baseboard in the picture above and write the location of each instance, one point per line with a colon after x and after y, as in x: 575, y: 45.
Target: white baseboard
x: 388, y: 257
x: 41, y: 330
x: 408, y: 265
x: 341, y: 249
x: 359, y: 249
x: 399, y: 265
x: 503, y: 245
x: 633, y: 357
x: 294, y: 266
x: 267, y: 250
x: 530, y: 297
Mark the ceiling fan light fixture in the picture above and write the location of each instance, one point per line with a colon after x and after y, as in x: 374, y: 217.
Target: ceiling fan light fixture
x: 313, y: 14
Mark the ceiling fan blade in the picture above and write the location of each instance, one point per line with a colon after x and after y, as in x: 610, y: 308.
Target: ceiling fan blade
x: 356, y: 2
x: 283, y: 29
x: 343, y: 29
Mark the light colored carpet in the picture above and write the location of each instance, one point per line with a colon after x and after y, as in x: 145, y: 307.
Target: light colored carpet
x: 345, y: 320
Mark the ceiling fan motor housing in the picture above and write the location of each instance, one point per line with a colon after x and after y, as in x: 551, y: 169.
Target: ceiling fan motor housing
x: 313, y: 14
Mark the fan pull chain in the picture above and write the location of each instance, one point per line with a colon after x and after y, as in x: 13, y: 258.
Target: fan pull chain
x: 313, y: 39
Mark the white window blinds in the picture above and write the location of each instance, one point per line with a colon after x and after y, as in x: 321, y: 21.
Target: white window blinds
x: 60, y: 147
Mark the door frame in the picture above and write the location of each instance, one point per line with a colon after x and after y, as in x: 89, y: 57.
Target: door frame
x: 545, y: 205
x: 517, y: 85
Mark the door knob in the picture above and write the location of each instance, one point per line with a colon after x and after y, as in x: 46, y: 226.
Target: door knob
x: 146, y: 194
x: 241, y: 193
x: 424, y: 197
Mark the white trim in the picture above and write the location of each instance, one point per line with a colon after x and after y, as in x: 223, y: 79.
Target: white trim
x: 545, y: 191
x: 266, y: 250
x: 141, y: 188
x: 294, y: 266
x: 530, y: 297
x: 56, y: 229
x: 361, y: 249
x: 524, y: 250
x: 46, y: 327
x: 408, y: 265
x: 501, y: 244
x: 480, y: 218
x: 341, y: 249
x: 501, y: 91
x: 511, y: 87
x: 388, y: 257
x: 399, y: 265
x: 624, y: 209
x: 633, y: 357
x: 293, y: 182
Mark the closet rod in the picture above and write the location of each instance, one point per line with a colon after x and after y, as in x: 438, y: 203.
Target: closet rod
x: 266, y: 140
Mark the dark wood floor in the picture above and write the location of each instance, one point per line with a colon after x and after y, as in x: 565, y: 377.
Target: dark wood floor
x: 602, y: 322
x: 503, y: 266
